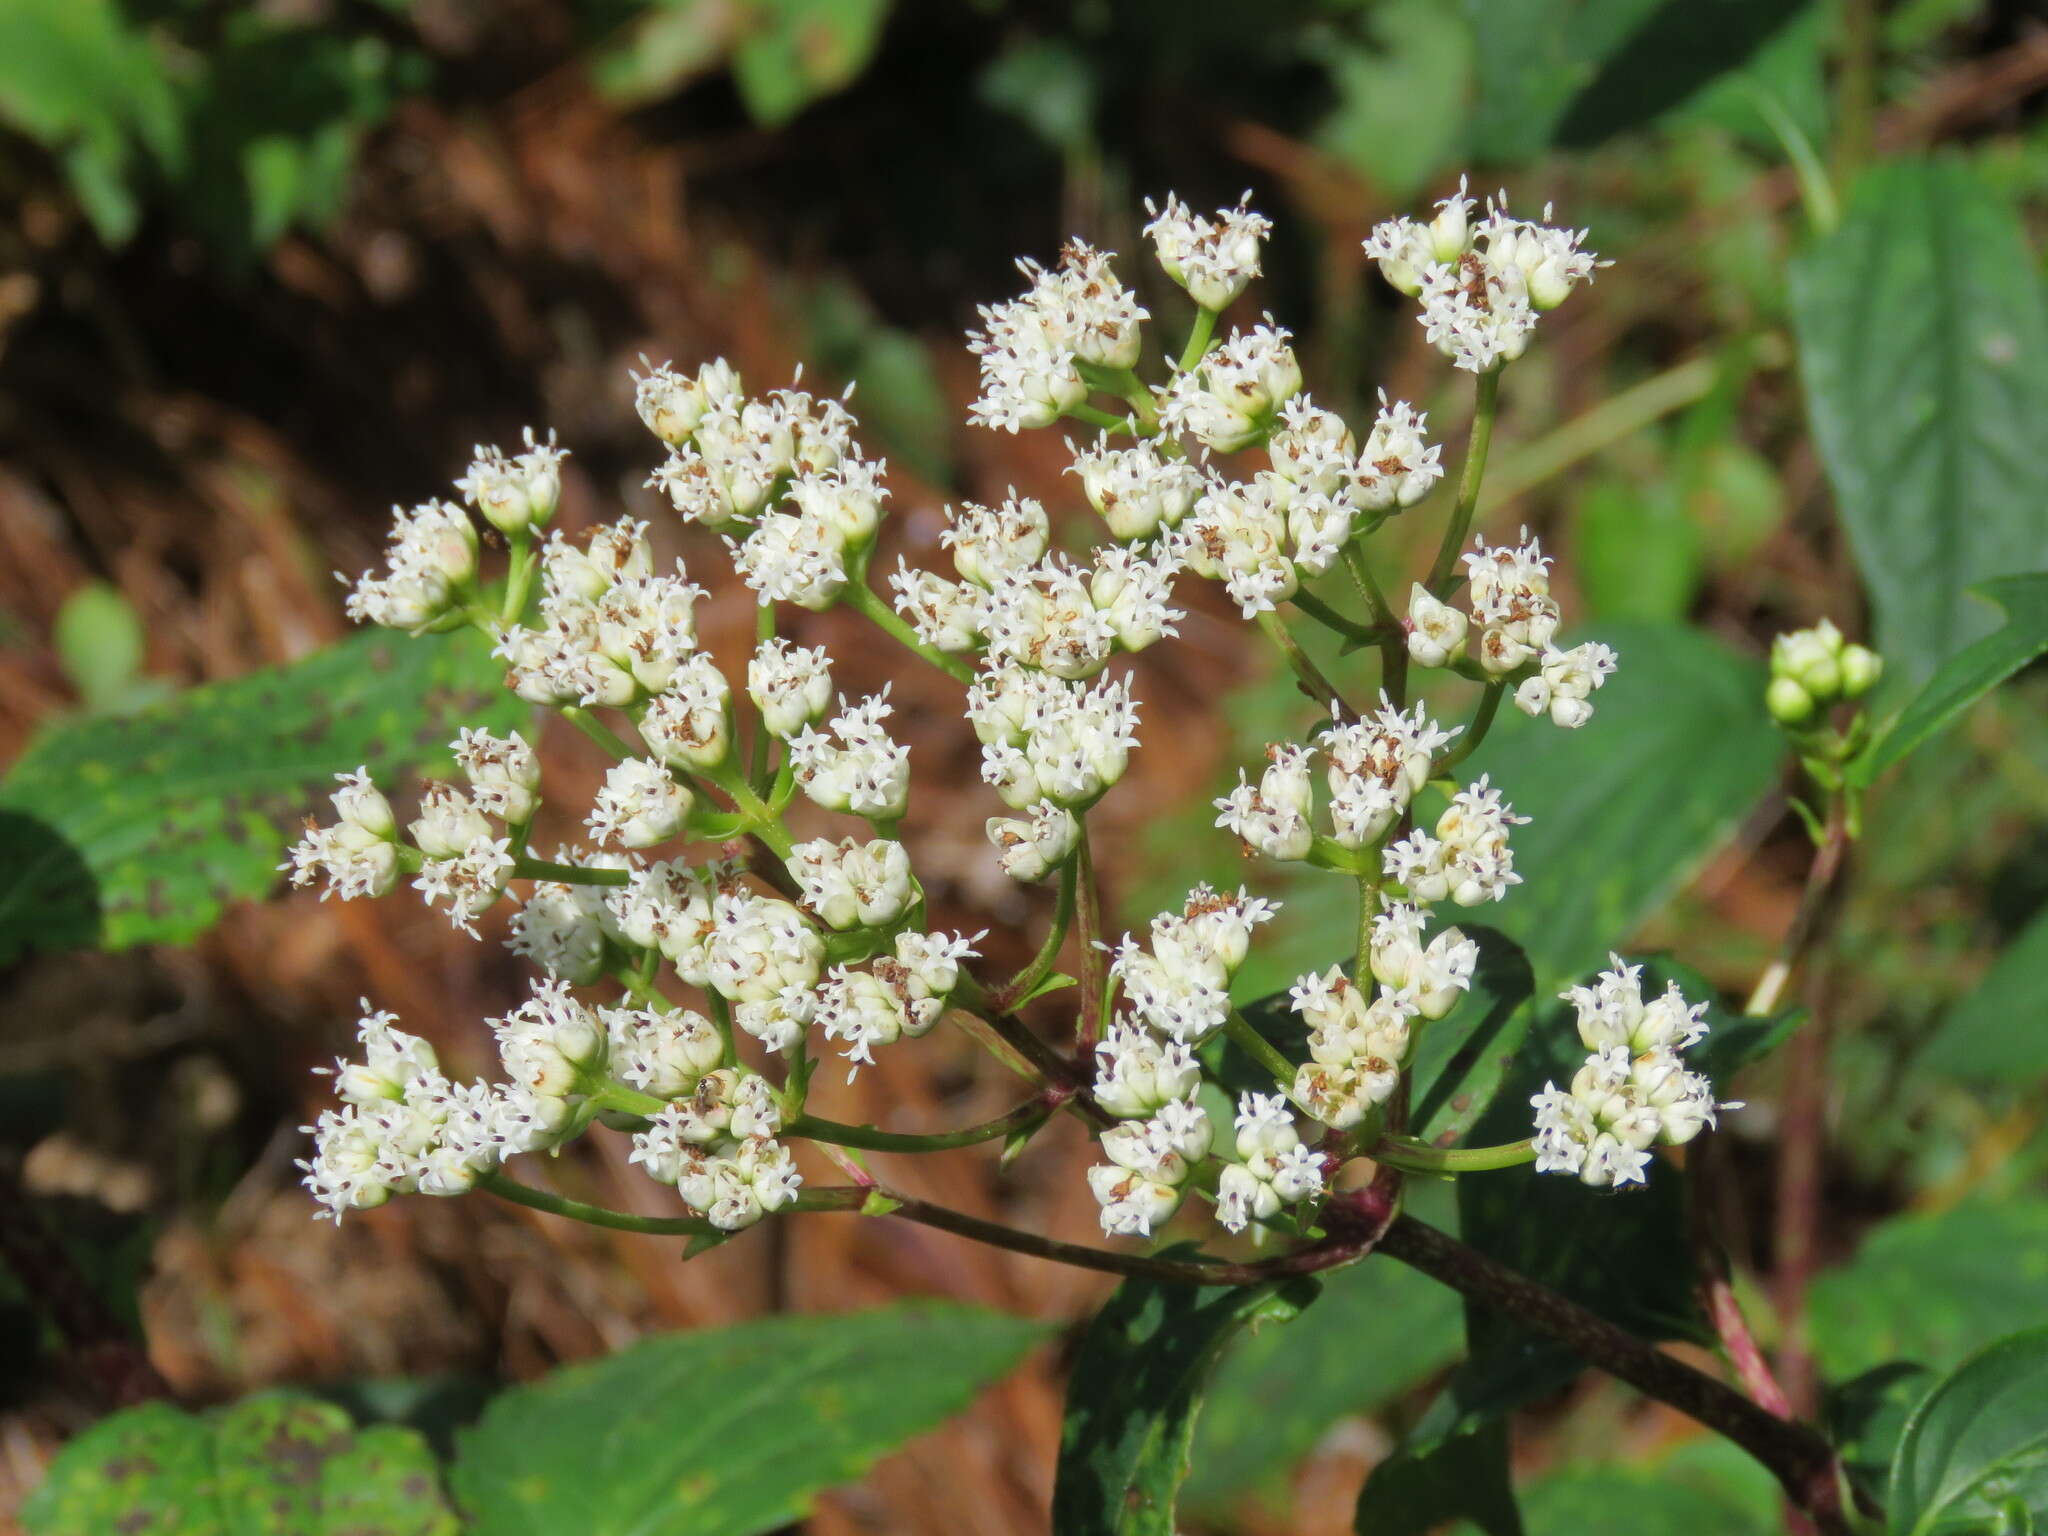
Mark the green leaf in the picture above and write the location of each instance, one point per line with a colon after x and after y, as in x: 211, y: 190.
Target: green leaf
x: 1923, y: 344
x: 802, y: 50
x: 1461, y: 1472
x: 1378, y: 1329
x: 1461, y: 1059
x: 1994, y: 1035
x: 1400, y: 97
x: 1966, y: 676
x: 1575, y: 72
x: 1049, y: 85
x: 141, y: 829
x: 1865, y: 1417
x: 1136, y: 1392
x: 279, y: 1464
x: 1639, y: 552
x: 1713, y: 1490
x: 728, y: 1431
x: 99, y: 643
x: 1624, y: 810
x: 1932, y: 1288
x: 1977, y: 1445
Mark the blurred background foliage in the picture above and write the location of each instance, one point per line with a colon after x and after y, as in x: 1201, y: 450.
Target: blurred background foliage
x: 265, y: 269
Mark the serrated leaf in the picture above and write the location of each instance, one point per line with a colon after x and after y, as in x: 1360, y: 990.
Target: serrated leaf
x: 1992, y: 1036
x: 141, y: 829
x: 1977, y: 1446
x: 728, y: 1431
x: 1966, y: 676
x: 1932, y: 1288
x: 1135, y: 1394
x: 1923, y: 348
x: 278, y: 1464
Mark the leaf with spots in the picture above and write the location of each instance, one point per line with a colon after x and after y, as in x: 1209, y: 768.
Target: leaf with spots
x: 728, y: 1431
x: 279, y: 1464
x: 143, y: 828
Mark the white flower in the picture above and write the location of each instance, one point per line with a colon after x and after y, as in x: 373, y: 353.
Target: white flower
x: 1075, y: 744
x: 1273, y: 818
x: 1214, y: 259
x: 469, y: 880
x: 689, y: 726
x: 790, y: 684
x: 639, y: 806
x: 864, y: 1011
x: 1564, y: 686
x: 864, y: 771
x: 854, y: 886
x: 762, y: 951
x: 1436, y: 631
x: 1468, y: 861
x: 1132, y: 1204
x: 668, y: 907
x: 792, y: 558
x: 1397, y: 468
x: 1137, y: 1074
x: 663, y: 1053
x: 1043, y: 616
x: 1228, y: 400
x: 549, y: 1041
x: 1377, y: 764
x: 950, y: 616
x: 503, y: 773
x: 515, y: 492
x: 990, y: 543
x: 1130, y: 591
x: 1356, y: 1047
x: 358, y: 855
x: 1511, y: 602
x: 1032, y: 849
x: 671, y: 403
x: 560, y: 928
x: 1276, y: 1169
x: 1313, y: 449
x: 392, y: 1060
x: 1430, y: 976
x: 1137, y: 490
x: 1028, y: 376
x: 617, y: 552
x: 433, y: 551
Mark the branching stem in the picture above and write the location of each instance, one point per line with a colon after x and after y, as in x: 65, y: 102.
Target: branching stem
x: 863, y: 600
x: 1469, y: 478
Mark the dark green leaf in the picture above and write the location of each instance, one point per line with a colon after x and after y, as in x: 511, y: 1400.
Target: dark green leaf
x: 1706, y: 1488
x: 1459, y: 1474
x: 278, y: 1464
x: 1577, y: 71
x: 1966, y: 676
x: 1638, y: 552
x: 1977, y: 1445
x: 1461, y: 1059
x: 1136, y: 1391
x: 1048, y: 84
x: 1932, y: 1288
x: 141, y: 829
x: 1995, y: 1034
x: 1923, y: 343
x: 1865, y: 1416
x: 1378, y: 1330
x: 729, y: 1431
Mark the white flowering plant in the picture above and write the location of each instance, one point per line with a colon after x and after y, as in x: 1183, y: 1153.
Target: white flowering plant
x: 742, y: 902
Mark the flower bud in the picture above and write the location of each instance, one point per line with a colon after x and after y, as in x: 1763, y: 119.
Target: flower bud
x: 1436, y: 630
x: 1861, y: 668
x: 1788, y: 703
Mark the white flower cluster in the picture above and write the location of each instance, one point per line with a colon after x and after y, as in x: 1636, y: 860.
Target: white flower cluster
x: 1481, y: 284
x: 1032, y: 348
x: 432, y: 559
x: 404, y: 1128
x: 1049, y: 747
x: 1215, y: 259
x: 1634, y: 1091
x: 1179, y: 991
x: 1230, y: 398
x: 718, y: 1148
x: 358, y: 855
x: 1468, y: 861
x: 1358, y: 1048
x: 895, y: 998
x: 729, y: 456
x: 1261, y: 537
x: 1138, y: 490
x: 1376, y: 766
x: 1274, y: 1168
x: 864, y: 770
x: 1516, y: 619
x: 515, y: 492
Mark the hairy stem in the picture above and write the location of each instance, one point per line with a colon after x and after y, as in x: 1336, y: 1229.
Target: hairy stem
x: 1802, y: 1461
x: 1469, y: 479
x: 1021, y: 985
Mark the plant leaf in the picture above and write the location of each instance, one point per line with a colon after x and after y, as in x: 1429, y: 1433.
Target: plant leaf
x: 278, y: 1464
x: 1966, y: 676
x: 141, y: 829
x: 1458, y: 1472
x: 1706, y: 1487
x: 1923, y: 345
x: 1977, y: 1444
x: 1932, y: 1288
x: 1991, y: 1035
x: 1135, y: 1394
x: 801, y: 50
x: 1462, y: 1058
x: 728, y: 1431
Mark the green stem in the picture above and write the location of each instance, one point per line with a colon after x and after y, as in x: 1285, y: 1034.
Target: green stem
x: 1405, y: 1152
x: 1089, y: 901
x: 1330, y: 618
x: 815, y: 1128
x: 862, y: 599
x: 519, y: 583
x: 596, y: 730
x: 1469, y: 479
x: 1313, y: 682
x: 1393, y: 636
x: 508, y: 1188
x: 1261, y: 1050
x: 762, y: 820
x: 1096, y: 416
x: 1856, y: 88
x: 757, y: 767
x: 1475, y: 733
x: 1020, y: 986
x: 530, y: 868
x: 1199, y: 335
